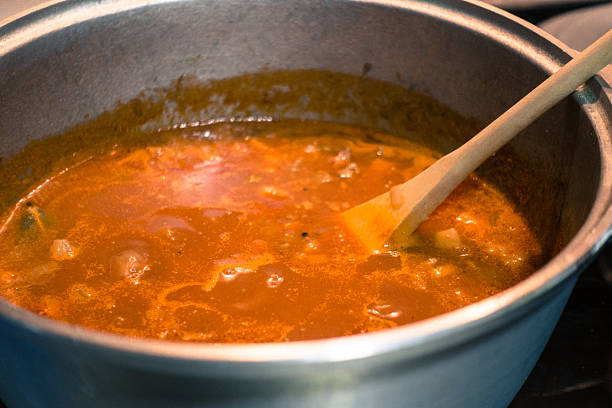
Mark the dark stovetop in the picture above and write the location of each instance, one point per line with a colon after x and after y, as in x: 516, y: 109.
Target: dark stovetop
x: 575, y: 368
x: 536, y: 11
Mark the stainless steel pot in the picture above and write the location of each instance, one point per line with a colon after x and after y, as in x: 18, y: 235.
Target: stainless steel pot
x: 76, y: 58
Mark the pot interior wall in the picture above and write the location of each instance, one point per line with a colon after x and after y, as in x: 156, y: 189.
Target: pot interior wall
x: 58, y: 80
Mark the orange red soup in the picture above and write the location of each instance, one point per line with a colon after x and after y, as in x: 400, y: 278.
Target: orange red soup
x: 229, y: 233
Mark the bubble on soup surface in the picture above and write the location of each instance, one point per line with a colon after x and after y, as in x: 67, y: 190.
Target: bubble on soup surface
x: 342, y: 158
x: 384, y: 310
x: 233, y: 272
x: 275, y: 280
x: 311, y: 245
x: 349, y: 171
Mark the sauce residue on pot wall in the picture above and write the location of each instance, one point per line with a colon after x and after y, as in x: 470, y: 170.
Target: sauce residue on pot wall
x: 226, y: 232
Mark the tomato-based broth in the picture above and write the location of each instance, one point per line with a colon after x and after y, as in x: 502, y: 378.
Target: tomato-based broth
x: 230, y: 233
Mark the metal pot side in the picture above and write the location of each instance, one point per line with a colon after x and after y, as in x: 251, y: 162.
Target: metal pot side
x: 74, y: 58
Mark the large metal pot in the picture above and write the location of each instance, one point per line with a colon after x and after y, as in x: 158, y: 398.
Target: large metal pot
x: 74, y: 58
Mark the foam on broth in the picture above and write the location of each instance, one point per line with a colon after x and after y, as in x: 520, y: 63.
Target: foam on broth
x: 228, y: 233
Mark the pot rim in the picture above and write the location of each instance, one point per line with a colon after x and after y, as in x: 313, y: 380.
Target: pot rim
x: 415, y: 339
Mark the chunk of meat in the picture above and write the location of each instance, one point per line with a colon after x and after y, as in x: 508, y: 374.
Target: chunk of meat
x: 131, y: 265
x: 62, y: 250
x: 447, y: 239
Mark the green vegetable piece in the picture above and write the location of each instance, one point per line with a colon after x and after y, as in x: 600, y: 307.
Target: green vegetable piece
x: 34, y: 222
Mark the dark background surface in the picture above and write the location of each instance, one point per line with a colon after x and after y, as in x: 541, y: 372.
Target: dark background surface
x: 536, y: 11
x: 575, y: 369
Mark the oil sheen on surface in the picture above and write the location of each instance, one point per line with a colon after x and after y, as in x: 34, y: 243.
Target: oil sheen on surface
x: 228, y: 233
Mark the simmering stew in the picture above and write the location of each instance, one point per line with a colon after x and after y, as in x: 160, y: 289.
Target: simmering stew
x: 229, y: 233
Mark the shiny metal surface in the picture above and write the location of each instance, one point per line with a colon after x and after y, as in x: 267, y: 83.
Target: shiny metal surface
x: 77, y: 58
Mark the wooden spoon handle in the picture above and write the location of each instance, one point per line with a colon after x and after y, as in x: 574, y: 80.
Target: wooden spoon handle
x: 405, y: 206
x: 561, y: 84
x: 455, y: 167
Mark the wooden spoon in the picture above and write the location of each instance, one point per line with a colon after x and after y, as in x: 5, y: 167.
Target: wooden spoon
x: 406, y: 205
